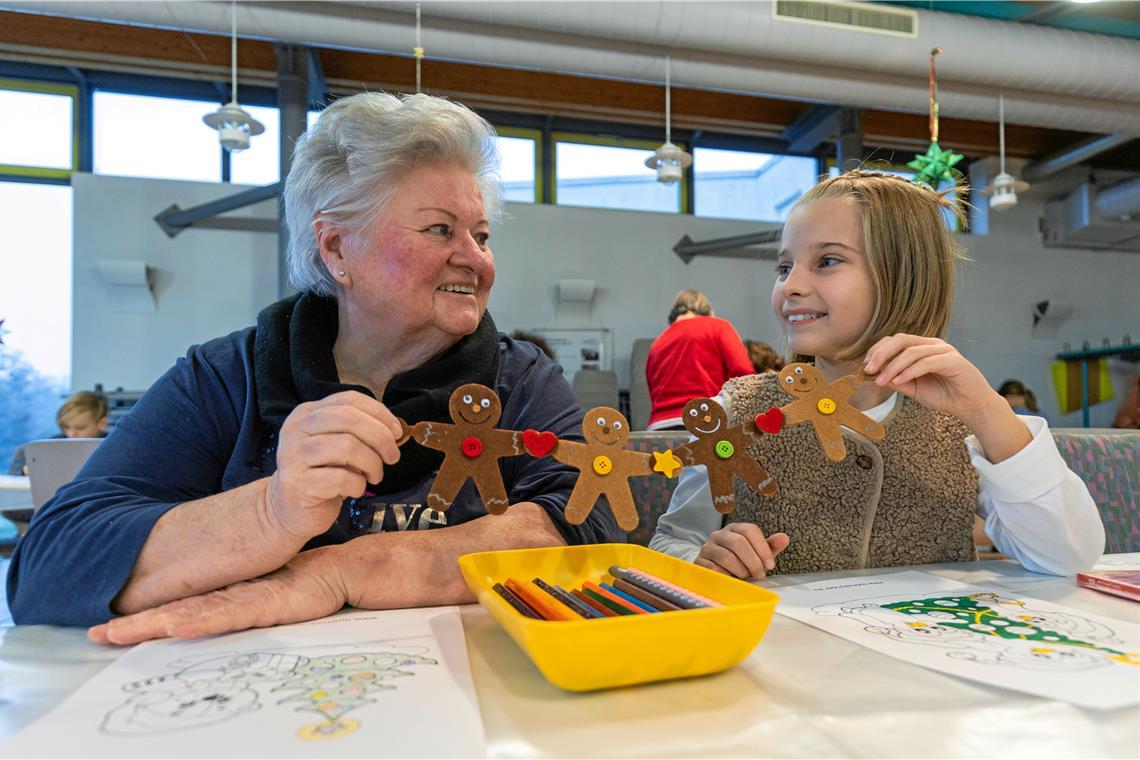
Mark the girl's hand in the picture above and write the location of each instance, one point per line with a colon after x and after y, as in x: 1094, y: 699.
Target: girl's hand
x: 742, y: 551
x: 329, y: 450
x: 934, y: 374
x: 310, y: 586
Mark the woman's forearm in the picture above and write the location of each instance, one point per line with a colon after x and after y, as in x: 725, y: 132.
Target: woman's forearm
x: 420, y: 569
x: 204, y: 545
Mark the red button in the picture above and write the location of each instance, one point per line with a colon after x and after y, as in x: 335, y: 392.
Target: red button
x: 472, y: 447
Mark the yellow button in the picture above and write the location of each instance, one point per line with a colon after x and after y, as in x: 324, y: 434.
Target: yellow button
x: 724, y: 449
x: 826, y: 406
x: 603, y: 465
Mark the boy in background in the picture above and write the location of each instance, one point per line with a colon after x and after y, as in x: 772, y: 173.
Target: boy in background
x: 83, y: 415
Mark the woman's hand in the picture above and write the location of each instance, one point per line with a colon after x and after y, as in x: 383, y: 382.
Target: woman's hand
x: 741, y: 550
x: 934, y: 374
x: 329, y: 450
x: 310, y: 586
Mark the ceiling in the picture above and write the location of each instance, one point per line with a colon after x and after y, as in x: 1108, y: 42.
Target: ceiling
x: 1120, y: 18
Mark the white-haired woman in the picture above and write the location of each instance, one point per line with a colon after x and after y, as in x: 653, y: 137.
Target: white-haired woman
x: 259, y: 481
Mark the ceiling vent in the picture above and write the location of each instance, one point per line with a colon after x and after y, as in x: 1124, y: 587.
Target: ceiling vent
x: 860, y: 17
x: 1094, y: 218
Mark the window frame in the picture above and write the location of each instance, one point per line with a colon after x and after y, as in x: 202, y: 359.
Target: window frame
x: 36, y: 173
x: 617, y: 141
x: 528, y: 134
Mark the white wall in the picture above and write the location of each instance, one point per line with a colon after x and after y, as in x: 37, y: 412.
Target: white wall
x: 214, y: 282
x: 206, y: 282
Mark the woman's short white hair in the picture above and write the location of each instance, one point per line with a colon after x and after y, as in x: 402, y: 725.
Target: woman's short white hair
x: 346, y: 166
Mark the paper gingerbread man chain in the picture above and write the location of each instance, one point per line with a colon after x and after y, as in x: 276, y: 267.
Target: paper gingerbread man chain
x: 826, y: 407
x: 605, y: 467
x: 723, y: 451
x: 472, y: 447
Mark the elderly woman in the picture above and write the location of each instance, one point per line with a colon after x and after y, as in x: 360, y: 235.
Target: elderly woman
x: 259, y: 480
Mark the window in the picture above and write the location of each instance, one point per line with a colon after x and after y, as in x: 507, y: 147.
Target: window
x: 37, y: 133
x: 734, y: 184
x: 260, y: 163
x: 35, y: 311
x: 520, y: 166
x: 164, y: 138
x: 612, y: 174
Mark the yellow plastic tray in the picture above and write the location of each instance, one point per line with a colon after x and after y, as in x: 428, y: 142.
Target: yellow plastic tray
x: 618, y: 651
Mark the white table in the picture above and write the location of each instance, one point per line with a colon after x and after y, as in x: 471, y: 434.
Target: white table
x: 802, y: 693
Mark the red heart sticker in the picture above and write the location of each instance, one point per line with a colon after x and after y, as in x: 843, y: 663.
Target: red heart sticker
x: 770, y: 421
x: 539, y: 444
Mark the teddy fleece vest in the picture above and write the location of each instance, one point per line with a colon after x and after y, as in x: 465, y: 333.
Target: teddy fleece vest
x: 910, y: 499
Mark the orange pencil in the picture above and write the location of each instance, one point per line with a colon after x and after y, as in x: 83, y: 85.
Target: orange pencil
x: 613, y: 598
x: 542, y: 603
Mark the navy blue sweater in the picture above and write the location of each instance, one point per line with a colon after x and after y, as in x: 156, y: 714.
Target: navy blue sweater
x: 197, y: 432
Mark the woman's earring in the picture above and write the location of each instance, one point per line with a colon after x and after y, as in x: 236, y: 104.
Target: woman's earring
x: 341, y: 273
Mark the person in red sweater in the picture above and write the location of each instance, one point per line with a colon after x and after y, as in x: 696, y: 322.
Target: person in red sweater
x: 695, y: 355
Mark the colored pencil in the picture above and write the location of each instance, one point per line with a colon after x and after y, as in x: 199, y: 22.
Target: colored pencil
x: 602, y: 609
x: 569, y: 601
x: 547, y: 607
x: 590, y: 586
x: 513, y: 600
x: 664, y: 605
x: 627, y: 597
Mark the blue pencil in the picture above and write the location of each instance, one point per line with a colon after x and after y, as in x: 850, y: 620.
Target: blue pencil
x: 628, y: 598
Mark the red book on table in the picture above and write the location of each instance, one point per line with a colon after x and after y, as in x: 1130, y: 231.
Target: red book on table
x: 1125, y: 583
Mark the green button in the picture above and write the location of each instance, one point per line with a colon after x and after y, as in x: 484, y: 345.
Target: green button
x: 724, y: 449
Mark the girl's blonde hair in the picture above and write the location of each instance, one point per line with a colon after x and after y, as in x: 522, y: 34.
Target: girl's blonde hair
x: 913, y: 255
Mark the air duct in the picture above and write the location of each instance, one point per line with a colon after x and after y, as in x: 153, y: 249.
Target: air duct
x: 1050, y: 77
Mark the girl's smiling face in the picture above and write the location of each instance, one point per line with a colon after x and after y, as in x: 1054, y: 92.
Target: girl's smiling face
x: 824, y: 295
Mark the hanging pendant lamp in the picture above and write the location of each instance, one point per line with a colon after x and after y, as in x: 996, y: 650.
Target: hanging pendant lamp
x: 234, y: 124
x: 1005, y: 187
x: 669, y: 160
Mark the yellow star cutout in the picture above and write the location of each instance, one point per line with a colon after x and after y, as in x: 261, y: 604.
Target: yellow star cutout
x: 666, y: 463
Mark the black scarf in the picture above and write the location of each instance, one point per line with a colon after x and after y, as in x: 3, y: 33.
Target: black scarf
x: 293, y: 363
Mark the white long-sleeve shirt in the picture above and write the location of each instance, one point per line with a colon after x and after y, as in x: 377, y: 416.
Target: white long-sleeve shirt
x: 1034, y: 507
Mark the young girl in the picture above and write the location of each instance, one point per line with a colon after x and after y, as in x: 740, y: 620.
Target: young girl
x: 864, y: 284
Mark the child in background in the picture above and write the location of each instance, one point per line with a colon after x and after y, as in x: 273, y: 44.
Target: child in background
x: 83, y: 415
x: 864, y: 284
x: 764, y: 357
x: 1020, y: 398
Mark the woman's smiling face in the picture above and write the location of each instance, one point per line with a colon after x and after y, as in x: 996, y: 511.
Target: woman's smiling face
x: 424, y: 267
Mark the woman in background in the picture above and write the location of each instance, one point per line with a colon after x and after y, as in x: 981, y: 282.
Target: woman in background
x: 695, y: 355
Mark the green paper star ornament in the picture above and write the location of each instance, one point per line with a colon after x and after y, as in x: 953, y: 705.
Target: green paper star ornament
x: 936, y: 166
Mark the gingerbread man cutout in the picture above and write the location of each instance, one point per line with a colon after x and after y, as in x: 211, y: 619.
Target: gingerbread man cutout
x: 723, y: 451
x: 605, y: 467
x: 472, y: 448
x: 826, y: 407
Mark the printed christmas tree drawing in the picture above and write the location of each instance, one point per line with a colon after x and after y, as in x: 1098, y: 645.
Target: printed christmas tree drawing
x: 968, y: 613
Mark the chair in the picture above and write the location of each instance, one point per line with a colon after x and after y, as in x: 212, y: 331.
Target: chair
x: 640, y: 405
x: 1108, y: 461
x: 651, y: 494
x: 596, y: 387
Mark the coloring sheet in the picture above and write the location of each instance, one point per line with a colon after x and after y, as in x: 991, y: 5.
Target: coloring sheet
x: 998, y: 637
x: 356, y: 684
